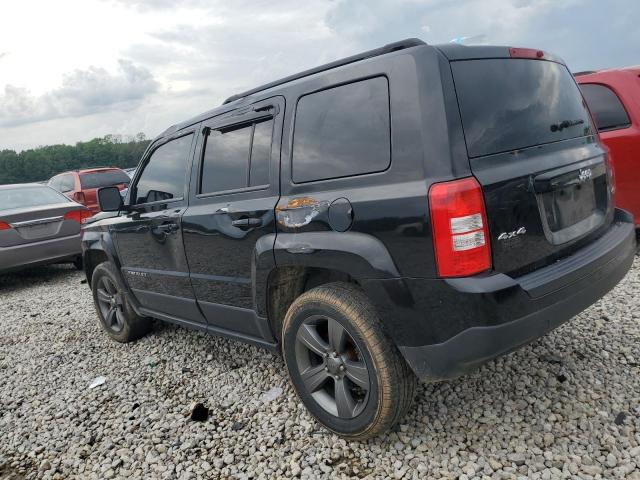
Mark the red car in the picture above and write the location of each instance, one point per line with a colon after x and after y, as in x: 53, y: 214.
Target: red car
x: 613, y: 97
x: 82, y: 185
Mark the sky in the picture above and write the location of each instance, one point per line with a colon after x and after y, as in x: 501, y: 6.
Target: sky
x: 73, y: 70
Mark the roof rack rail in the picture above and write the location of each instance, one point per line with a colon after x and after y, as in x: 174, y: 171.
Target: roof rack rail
x: 391, y: 47
x: 584, y: 72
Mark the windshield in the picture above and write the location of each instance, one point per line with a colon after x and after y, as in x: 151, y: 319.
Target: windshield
x: 22, y: 197
x: 105, y: 178
x: 508, y: 104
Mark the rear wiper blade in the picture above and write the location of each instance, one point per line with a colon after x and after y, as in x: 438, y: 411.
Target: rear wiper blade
x: 558, y: 127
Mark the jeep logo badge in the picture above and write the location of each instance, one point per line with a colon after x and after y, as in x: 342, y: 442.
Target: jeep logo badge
x: 584, y: 175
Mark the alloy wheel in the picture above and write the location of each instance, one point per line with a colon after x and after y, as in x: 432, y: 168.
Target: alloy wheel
x: 110, y: 304
x: 332, y: 367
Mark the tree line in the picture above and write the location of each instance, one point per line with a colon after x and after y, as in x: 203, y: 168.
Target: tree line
x: 42, y: 163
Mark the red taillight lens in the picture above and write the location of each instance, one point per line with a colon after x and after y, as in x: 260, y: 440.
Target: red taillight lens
x: 79, y: 216
x: 525, y: 53
x: 4, y: 226
x: 459, y: 223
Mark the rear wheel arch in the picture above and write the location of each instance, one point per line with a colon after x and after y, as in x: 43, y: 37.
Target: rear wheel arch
x: 302, y: 261
x: 286, y: 283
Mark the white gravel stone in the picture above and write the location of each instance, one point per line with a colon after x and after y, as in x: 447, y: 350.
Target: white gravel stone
x: 549, y: 410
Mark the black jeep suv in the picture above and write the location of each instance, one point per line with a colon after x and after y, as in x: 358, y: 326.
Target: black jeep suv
x: 409, y: 212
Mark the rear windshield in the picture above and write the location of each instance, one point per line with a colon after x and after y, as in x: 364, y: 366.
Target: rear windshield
x: 508, y: 104
x: 23, y: 197
x: 103, y: 179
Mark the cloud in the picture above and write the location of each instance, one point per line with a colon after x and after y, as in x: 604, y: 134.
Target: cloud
x: 185, y: 57
x: 3, y: 54
x: 82, y: 92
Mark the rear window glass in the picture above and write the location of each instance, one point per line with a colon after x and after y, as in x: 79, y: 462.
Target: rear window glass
x: 508, y: 104
x: 25, y: 197
x: 103, y: 179
x: 342, y: 131
x: 606, y: 107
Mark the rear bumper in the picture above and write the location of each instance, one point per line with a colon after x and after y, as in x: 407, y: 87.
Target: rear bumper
x: 464, y: 322
x: 39, y: 253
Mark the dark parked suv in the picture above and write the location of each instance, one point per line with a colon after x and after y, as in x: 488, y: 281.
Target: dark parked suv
x: 409, y: 212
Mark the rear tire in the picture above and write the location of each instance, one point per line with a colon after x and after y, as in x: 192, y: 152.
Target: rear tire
x: 116, y: 316
x: 344, y: 368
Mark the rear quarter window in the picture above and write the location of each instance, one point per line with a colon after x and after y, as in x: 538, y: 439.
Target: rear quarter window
x: 342, y: 131
x: 607, y: 109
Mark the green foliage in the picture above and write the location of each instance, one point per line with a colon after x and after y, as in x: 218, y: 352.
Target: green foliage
x: 44, y: 162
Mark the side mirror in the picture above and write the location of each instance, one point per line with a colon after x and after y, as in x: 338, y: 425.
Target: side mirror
x: 109, y: 199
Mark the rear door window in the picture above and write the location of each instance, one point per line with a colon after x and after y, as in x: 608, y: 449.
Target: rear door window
x: 342, y: 131
x: 163, y: 177
x: 509, y: 104
x: 237, y: 157
x: 606, y: 107
x: 105, y: 178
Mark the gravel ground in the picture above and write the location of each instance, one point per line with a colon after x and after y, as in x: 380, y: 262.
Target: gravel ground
x: 567, y: 406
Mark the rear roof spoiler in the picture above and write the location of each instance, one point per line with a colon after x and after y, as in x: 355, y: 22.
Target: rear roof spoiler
x: 455, y: 51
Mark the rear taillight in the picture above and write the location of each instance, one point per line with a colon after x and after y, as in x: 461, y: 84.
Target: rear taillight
x: 79, y: 216
x: 459, y: 223
x: 78, y: 197
x: 4, y: 226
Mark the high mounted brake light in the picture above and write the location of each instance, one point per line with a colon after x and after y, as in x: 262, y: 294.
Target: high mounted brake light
x: 79, y: 216
x: 526, y: 53
x: 4, y: 226
x: 459, y: 224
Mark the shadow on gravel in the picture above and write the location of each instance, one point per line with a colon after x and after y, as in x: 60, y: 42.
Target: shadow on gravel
x: 26, y: 278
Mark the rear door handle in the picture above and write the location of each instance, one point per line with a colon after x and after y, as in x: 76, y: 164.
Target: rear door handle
x: 167, y: 227
x: 247, y: 222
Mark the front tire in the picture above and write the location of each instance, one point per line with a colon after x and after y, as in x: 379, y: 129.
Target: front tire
x: 344, y: 368
x: 116, y: 316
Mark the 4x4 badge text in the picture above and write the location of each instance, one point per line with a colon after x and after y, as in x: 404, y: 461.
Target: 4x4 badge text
x: 515, y: 233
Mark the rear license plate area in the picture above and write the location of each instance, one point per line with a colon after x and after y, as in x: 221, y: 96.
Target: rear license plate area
x: 567, y: 206
x: 38, y: 231
x: 573, y: 200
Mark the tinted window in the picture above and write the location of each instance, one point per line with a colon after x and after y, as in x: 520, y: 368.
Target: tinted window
x: 226, y: 160
x: 29, y: 197
x: 237, y: 157
x: 606, y: 107
x: 163, y: 177
x: 103, y: 179
x: 507, y: 104
x: 261, y: 154
x: 342, y: 131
